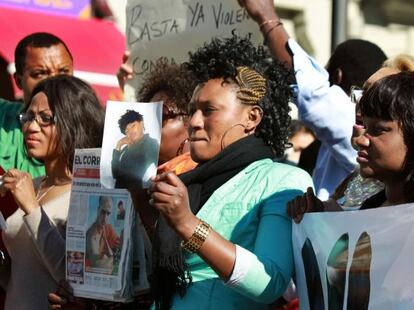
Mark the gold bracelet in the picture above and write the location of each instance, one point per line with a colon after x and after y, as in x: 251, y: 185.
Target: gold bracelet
x: 200, y: 234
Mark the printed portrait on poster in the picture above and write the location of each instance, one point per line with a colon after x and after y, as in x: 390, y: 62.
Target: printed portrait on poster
x: 104, y: 236
x: 131, y: 144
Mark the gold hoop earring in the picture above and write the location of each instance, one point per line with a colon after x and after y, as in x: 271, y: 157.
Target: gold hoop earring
x: 225, y: 133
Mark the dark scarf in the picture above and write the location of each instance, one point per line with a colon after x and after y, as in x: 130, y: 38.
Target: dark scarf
x: 171, y: 275
x: 374, y: 201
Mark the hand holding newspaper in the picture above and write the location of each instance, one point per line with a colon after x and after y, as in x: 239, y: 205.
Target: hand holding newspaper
x: 100, y: 236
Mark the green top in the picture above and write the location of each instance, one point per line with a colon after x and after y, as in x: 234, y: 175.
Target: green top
x: 12, y: 150
x: 250, y: 211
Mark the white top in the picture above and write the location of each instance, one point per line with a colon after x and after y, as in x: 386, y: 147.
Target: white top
x: 36, y: 244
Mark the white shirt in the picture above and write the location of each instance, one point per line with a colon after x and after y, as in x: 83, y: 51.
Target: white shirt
x: 329, y: 112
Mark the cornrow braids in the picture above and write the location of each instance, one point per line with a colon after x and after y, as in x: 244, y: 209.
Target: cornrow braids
x: 252, y: 86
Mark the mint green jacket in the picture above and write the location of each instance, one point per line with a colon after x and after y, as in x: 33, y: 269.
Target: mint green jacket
x: 12, y: 151
x: 250, y: 211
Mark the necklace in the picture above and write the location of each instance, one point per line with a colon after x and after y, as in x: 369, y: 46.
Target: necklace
x: 39, y: 197
x: 42, y: 183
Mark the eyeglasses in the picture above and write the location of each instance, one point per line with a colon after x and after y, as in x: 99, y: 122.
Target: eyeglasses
x: 42, y: 119
x: 168, y: 113
x: 356, y: 94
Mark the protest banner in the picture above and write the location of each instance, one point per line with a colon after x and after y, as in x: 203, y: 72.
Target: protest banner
x: 356, y: 259
x: 168, y: 30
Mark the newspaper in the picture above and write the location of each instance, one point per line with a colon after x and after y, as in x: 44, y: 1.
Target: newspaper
x: 101, y: 238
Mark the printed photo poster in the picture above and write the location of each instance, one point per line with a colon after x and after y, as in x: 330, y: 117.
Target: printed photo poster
x: 131, y: 143
x: 170, y: 29
x: 356, y: 259
x: 105, y: 233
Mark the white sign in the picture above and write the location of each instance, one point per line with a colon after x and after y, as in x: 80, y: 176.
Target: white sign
x: 356, y: 259
x: 170, y: 29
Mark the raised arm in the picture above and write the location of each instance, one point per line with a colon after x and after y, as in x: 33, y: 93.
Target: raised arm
x: 275, y: 35
x: 324, y: 108
x: 317, y: 101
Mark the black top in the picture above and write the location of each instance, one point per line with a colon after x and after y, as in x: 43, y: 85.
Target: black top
x: 130, y: 164
x: 374, y: 201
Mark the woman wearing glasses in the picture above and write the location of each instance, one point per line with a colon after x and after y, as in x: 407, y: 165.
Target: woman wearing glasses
x: 173, y: 85
x: 64, y: 113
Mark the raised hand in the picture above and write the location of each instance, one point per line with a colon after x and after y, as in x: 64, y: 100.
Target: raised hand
x: 170, y: 197
x: 125, y: 71
x: 20, y: 184
x: 259, y: 10
x: 275, y: 36
x: 306, y: 203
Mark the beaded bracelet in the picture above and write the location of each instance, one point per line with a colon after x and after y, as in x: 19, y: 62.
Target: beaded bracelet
x: 200, y: 234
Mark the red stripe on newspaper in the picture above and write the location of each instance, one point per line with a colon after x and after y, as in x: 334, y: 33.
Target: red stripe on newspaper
x: 86, y: 173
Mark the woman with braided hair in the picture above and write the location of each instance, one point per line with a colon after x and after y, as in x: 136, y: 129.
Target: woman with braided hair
x: 222, y: 240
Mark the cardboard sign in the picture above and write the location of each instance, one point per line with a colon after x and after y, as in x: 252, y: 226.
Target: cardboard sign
x: 170, y: 29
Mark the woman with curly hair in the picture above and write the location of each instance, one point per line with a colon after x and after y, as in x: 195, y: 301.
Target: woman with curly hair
x: 174, y: 85
x: 223, y: 237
